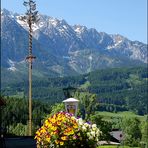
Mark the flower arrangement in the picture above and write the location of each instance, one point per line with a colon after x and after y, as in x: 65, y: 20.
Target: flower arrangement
x: 63, y: 130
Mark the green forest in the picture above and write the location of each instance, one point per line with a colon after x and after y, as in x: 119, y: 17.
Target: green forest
x: 119, y: 89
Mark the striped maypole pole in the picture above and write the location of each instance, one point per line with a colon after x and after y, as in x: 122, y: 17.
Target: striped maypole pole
x: 30, y: 18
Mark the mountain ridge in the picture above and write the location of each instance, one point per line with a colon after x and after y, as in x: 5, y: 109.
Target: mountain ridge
x: 64, y: 50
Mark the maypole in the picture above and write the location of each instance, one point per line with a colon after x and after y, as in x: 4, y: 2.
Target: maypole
x: 30, y: 18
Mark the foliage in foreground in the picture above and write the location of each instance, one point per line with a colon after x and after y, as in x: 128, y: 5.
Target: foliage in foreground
x: 16, y: 113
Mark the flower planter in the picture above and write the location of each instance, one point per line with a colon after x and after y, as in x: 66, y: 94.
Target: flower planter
x: 63, y: 130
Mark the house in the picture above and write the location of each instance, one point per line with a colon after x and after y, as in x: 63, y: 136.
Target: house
x: 116, y: 137
x: 117, y: 134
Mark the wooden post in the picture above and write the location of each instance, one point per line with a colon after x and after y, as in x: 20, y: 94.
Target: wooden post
x: 31, y: 17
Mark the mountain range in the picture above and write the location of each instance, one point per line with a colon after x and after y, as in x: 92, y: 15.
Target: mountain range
x: 62, y: 49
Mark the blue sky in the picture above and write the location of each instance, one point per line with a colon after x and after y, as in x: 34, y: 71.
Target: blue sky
x: 125, y: 17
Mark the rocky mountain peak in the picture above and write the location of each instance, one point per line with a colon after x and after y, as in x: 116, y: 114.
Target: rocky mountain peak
x: 63, y: 49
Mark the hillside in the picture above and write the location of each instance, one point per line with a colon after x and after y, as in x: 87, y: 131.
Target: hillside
x: 118, y: 89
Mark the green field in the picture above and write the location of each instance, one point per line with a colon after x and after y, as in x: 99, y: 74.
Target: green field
x: 115, y: 146
x: 108, y: 116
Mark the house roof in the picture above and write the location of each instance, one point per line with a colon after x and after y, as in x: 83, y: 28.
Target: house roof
x: 117, y: 134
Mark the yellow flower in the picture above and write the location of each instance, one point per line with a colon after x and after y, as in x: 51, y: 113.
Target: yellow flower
x: 75, y: 126
x: 53, y: 120
x: 54, y: 128
x: 37, y: 138
x: 58, y: 123
x: 48, y: 139
x: 71, y: 132
x: 64, y: 138
x: 61, y: 143
x: 57, y: 141
x: 37, y: 133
